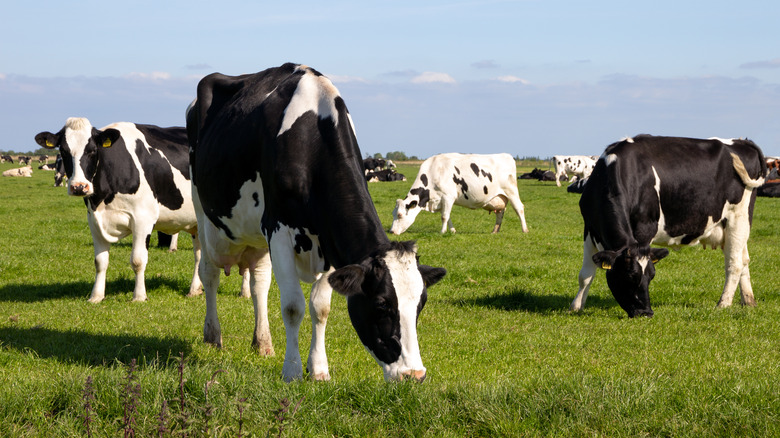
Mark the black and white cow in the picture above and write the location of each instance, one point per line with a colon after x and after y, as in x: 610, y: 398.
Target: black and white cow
x: 579, y: 166
x: 669, y: 191
x: 134, y: 179
x: 468, y: 180
x: 277, y: 174
x: 385, y: 175
x: 25, y: 160
x: 6, y: 158
x: 59, y: 171
x: 373, y: 164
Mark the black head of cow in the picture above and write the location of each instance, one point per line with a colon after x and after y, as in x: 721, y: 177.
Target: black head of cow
x: 385, y: 294
x: 629, y: 272
x: 79, y: 143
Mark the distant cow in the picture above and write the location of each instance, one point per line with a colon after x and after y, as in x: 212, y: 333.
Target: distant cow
x: 43, y: 158
x: 373, y: 164
x: 579, y: 166
x: 59, y: 171
x: 24, y: 159
x: 384, y: 176
x: 539, y: 174
x: 669, y: 191
x: 769, y: 190
x: 277, y: 175
x: 47, y: 166
x: 471, y: 181
x: 6, y: 158
x: 134, y: 179
x: 25, y: 171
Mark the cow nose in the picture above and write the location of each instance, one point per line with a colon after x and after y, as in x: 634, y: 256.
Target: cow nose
x: 79, y: 188
x: 417, y: 375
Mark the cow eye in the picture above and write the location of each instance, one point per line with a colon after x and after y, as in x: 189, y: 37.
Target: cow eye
x: 411, y: 205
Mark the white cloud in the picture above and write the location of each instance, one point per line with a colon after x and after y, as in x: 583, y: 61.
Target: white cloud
x: 430, y: 77
x: 513, y: 79
x: 488, y: 63
x: 153, y: 76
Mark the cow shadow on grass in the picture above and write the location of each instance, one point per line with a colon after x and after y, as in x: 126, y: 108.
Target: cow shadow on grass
x: 90, y: 349
x: 523, y: 300
x: 30, y: 293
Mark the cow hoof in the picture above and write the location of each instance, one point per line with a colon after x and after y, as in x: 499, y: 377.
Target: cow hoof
x: 95, y: 300
x: 139, y: 299
x: 195, y: 293
x: 321, y: 377
x: 264, y: 351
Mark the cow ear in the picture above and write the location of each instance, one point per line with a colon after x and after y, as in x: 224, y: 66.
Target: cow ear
x: 656, y: 254
x: 47, y: 140
x: 605, y: 259
x: 107, y: 138
x: 348, y: 280
x: 431, y: 275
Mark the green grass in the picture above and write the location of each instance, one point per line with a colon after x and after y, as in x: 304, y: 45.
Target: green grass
x: 505, y: 357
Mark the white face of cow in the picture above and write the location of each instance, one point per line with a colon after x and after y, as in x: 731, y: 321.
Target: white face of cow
x: 404, y: 213
x: 385, y: 295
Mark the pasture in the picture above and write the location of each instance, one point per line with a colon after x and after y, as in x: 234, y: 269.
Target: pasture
x: 505, y: 357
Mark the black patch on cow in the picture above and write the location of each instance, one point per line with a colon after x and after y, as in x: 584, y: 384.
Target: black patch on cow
x: 171, y: 143
x: 475, y: 168
x: 457, y: 170
x: 159, y: 175
x: 485, y: 189
x: 256, y: 197
x: 109, y: 172
x: 424, y: 180
x: 488, y: 175
x: 302, y: 242
x: 423, y: 194
x: 148, y: 239
x: 463, y: 186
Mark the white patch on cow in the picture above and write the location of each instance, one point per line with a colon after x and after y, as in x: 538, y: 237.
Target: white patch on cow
x: 78, y: 132
x: 643, y: 261
x: 610, y: 159
x: 627, y: 139
x: 408, y: 285
x: 244, y: 218
x: 727, y: 141
x: 313, y: 93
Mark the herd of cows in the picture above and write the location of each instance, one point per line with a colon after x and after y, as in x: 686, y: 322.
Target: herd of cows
x: 268, y: 168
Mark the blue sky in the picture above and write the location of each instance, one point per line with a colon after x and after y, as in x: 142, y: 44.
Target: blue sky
x: 532, y: 78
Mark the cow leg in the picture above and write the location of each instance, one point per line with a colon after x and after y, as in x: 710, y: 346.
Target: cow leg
x: 293, y: 304
x: 174, y: 246
x: 246, y: 284
x: 319, y: 309
x: 209, y: 274
x: 446, y: 209
x: 736, y: 260
x: 586, y: 275
x: 499, y: 219
x: 744, y: 281
x: 260, y: 283
x: 196, y: 287
x: 101, y: 266
x: 139, y: 257
x: 514, y: 199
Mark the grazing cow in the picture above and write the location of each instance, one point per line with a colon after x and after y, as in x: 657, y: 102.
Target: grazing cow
x: 277, y: 174
x: 579, y: 166
x: 25, y: 160
x: 43, y: 158
x: 25, y: 171
x: 6, y: 158
x: 385, y: 175
x: 669, y: 191
x: 134, y: 179
x: 471, y: 180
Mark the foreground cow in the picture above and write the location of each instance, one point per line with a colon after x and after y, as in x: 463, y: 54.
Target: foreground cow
x: 472, y: 181
x: 276, y: 167
x: 669, y: 191
x: 579, y: 166
x: 25, y: 171
x: 134, y: 179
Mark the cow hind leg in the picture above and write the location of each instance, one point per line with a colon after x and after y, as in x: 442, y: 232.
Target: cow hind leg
x: 499, y: 220
x: 514, y: 199
x: 196, y: 287
x: 744, y: 281
x: 293, y: 305
x: 319, y: 309
x: 259, y: 284
x: 736, y: 261
x: 209, y: 274
x: 585, y: 277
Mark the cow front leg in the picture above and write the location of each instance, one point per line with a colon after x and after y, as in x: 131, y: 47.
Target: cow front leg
x: 319, y: 309
x: 446, y: 209
x: 499, y: 219
x: 196, y: 287
x: 101, y: 248
x: 259, y: 284
x: 209, y: 275
x: 586, y: 275
x: 139, y: 257
x: 293, y: 304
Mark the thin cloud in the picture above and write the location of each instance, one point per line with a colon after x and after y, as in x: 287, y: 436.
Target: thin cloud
x: 432, y: 77
x: 486, y: 64
x: 153, y: 76
x: 773, y: 63
x: 513, y: 79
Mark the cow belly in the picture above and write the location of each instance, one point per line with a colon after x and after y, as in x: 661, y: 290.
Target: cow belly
x: 174, y: 221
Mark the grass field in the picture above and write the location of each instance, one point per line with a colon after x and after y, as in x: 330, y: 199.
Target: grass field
x: 505, y: 357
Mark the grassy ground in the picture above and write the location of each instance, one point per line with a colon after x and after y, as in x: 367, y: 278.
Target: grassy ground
x: 505, y: 357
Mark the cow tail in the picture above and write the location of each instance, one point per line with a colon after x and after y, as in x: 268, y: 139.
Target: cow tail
x: 739, y: 166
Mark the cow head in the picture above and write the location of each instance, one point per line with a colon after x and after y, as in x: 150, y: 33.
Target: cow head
x: 629, y: 272
x: 80, y: 145
x: 385, y: 294
x: 407, y: 209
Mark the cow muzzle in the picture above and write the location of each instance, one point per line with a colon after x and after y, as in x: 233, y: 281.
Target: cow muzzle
x: 79, y: 189
x: 416, y: 375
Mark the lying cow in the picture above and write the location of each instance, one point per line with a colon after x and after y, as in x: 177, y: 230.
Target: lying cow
x: 576, y: 166
x: 134, y: 179
x: 25, y: 171
x: 538, y: 174
x: 385, y: 176
x: 668, y: 191
x: 472, y: 181
x: 373, y: 164
x: 256, y: 200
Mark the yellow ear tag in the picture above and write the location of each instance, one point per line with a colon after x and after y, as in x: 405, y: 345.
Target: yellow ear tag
x: 606, y: 265
x: 107, y: 143
x: 49, y: 143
